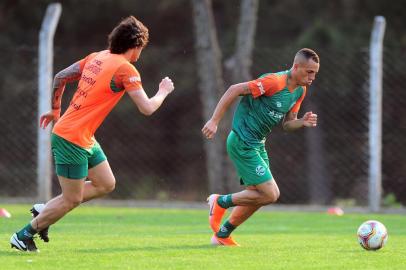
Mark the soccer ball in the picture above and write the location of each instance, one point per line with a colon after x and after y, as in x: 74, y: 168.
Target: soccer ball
x: 372, y: 235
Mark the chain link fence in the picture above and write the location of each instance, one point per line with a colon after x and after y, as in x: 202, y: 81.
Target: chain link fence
x: 18, y: 122
x: 394, y: 127
x: 162, y: 156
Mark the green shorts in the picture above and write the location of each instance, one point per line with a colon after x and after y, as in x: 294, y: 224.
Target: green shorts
x: 252, y: 163
x: 72, y: 161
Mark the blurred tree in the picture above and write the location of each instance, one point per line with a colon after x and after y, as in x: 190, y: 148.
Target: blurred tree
x: 208, y: 53
x: 211, y: 85
x: 238, y: 69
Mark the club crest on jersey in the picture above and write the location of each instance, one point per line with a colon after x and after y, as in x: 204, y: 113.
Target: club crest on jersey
x: 135, y: 79
x: 261, y: 88
x: 260, y: 170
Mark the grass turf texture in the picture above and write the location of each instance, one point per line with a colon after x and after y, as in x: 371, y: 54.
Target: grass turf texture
x: 93, y: 237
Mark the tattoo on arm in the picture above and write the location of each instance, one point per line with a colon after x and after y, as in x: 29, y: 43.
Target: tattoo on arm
x: 69, y: 74
x: 246, y: 90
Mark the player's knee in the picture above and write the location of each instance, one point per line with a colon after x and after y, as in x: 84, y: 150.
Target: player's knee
x: 69, y: 205
x: 269, y: 193
x: 271, y: 196
x: 270, y: 199
x: 109, y: 187
x: 72, y: 202
x: 275, y: 196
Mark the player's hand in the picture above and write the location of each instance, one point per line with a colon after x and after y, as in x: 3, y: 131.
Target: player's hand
x: 166, y: 85
x: 46, y: 118
x: 209, y: 129
x: 309, y: 119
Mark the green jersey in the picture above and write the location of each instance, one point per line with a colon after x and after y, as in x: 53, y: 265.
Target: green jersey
x: 267, y: 105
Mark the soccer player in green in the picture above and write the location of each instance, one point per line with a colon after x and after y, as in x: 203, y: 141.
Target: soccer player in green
x: 265, y: 102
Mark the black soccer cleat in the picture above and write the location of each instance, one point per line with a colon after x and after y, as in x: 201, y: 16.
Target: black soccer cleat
x: 35, y: 210
x: 23, y: 245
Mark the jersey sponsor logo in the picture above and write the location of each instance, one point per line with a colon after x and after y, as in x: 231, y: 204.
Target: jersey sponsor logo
x: 81, y: 93
x: 260, y: 170
x: 93, y: 69
x: 261, y: 88
x: 78, y: 98
x: 98, y: 62
x: 88, y: 80
x: 134, y: 79
x: 275, y: 114
x: 75, y: 106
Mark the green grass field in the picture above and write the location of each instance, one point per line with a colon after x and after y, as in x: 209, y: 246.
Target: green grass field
x: 130, y: 238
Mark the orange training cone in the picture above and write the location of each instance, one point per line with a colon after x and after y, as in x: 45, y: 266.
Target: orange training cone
x: 337, y: 211
x: 4, y: 213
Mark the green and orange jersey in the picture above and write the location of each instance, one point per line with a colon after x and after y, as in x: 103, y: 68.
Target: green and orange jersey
x: 269, y: 102
x: 105, y: 77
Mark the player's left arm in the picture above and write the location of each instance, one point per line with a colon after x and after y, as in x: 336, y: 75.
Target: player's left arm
x: 291, y: 123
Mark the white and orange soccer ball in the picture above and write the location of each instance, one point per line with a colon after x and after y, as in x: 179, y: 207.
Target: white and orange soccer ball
x: 372, y: 235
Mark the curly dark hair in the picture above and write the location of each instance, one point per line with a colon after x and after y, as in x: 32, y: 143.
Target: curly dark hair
x: 129, y: 33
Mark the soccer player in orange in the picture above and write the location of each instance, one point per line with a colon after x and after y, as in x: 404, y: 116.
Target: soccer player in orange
x: 82, y: 168
x: 265, y: 103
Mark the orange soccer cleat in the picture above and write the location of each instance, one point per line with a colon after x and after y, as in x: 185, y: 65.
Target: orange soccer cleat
x: 229, y: 241
x: 216, y: 212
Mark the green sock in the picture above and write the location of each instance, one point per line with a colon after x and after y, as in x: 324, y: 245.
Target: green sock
x: 225, y: 201
x: 26, y: 233
x: 225, y: 230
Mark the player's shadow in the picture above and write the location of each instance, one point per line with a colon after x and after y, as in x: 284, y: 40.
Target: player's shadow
x: 144, y: 248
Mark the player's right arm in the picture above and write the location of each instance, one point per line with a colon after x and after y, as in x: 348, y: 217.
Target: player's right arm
x: 266, y: 85
x: 69, y: 74
x: 210, y: 128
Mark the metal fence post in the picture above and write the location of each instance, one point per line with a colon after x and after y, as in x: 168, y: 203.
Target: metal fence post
x: 45, y: 64
x: 375, y: 114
